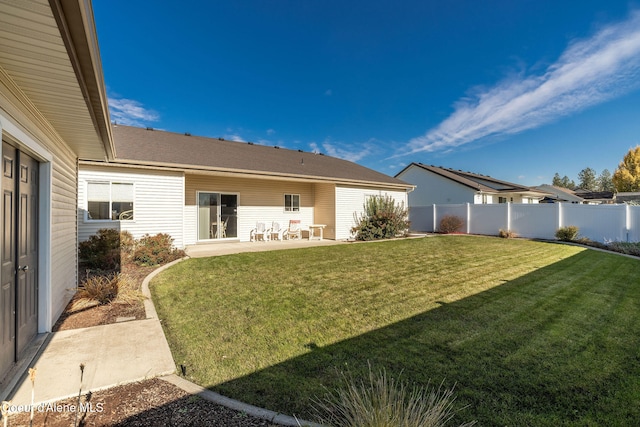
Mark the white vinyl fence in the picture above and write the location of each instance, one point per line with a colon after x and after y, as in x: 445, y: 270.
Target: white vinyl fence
x: 600, y: 223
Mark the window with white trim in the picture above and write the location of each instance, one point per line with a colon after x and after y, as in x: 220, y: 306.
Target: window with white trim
x: 292, y: 203
x: 109, y: 201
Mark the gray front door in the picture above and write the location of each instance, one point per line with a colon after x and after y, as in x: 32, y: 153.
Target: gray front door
x: 19, y: 255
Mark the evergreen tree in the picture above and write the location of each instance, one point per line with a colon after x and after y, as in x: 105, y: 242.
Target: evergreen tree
x: 587, y: 177
x: 605, y: 183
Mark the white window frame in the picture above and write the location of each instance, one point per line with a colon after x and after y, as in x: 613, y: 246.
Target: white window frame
x: 292, y: 207
x: 88, y: 218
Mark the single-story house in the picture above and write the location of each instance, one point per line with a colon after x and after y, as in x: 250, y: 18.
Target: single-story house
x: 559, y: 195
x: 596, y: 197
x: 439, y: 185
x: 565, y: 195
x: 628, y: 197
x: 53, y: 110
x: 206, y: 190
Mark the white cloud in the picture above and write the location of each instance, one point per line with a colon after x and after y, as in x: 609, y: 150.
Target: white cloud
x: 350, y: 153
x: 131, y: 113
x: 589, y: 72
x: 270, y: 132
x: 234, y: 137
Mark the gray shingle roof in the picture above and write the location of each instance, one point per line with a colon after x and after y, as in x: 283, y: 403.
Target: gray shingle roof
x: 159, y: 148
x: 476, y: 181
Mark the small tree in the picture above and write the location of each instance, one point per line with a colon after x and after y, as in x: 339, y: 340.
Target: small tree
x: 627, y: 176
x: 382, y: 219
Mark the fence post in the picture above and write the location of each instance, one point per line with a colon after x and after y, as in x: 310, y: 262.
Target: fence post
x: 508, y: 216
x: 560, y: 219
x: 627, y: 221
x: 468, y: 218
x: 434, y: 218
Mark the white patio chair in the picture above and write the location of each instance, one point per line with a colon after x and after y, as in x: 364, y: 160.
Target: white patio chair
x: 259, y: 232
x: 275, y: 232
x: 294, y: 230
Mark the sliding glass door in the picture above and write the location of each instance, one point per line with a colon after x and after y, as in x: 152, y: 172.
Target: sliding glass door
x: 217, y: 216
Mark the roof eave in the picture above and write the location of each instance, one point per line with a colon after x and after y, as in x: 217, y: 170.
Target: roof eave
x: 77, y: 28
x: 245, y: 173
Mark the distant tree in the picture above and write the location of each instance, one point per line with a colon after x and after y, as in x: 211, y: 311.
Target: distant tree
x: 627, y: 175
x: 563, y: 182
x: 605, y: 183
x: 587, y: 177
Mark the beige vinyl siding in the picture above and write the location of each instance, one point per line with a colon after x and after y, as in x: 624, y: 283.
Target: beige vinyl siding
x: 259, y: 200
x: 325, y: 208
x: 350, y: 201
x: 157, y: 205
x: 64, y: 249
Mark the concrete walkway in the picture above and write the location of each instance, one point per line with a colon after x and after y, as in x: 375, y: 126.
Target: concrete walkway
x: 131, y: 351
x: 113, y: 354
x: 215, y: 249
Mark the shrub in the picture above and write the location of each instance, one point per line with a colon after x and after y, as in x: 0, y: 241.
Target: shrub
x: 382, y: 219
x: 384, y: 402
x: 506, y: 234
x: 568, y: 233
x: 127, y: 244
x: 451, y: 224
x: 155, y: 250
x: 106, y: 289
x: 625, y: 247
x: 107, y: 249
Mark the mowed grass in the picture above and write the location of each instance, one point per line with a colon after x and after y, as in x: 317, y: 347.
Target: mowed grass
x: 531, y: 333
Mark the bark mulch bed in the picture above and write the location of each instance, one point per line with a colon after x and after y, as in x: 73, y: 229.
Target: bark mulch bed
x: 151, y: 402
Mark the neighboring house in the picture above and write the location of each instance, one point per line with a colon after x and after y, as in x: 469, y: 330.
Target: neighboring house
x: 565, y: 195
x: 53, y: 109
x: 193, y: 187
x: 559, y: 194
x: 438, y: 185
x: 628, y: 197
x: 596, y: 197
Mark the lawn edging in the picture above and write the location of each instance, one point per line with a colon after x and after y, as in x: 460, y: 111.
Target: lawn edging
x: 193, y: 388
x: 254, y: 411
x: 149, y: 308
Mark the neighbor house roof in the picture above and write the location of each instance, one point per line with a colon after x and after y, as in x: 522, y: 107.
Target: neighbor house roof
x: 595, y: 196
x: 627, y: 197
x: 560, y: 194
x: 482, y: 183
x: 148, y: 147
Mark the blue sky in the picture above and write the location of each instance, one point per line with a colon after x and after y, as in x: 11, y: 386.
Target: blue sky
x: 517, y: 90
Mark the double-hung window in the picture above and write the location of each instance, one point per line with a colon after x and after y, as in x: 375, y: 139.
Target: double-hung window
x: 292, y: 203
x: 109, y: 200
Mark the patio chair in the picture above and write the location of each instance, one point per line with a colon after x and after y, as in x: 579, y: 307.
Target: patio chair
x: 222, y: 230
x: 294, y: 230
x: 259, y: 232
x: 275, y: 232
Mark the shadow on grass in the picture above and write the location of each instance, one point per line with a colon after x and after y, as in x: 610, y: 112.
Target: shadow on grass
x: 547, y: 348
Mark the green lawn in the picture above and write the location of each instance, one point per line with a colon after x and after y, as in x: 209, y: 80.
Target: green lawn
x: 531, y: 333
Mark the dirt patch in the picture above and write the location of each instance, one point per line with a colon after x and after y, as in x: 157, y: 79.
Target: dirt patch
x: 152, y: 402
x: 108, y: 313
